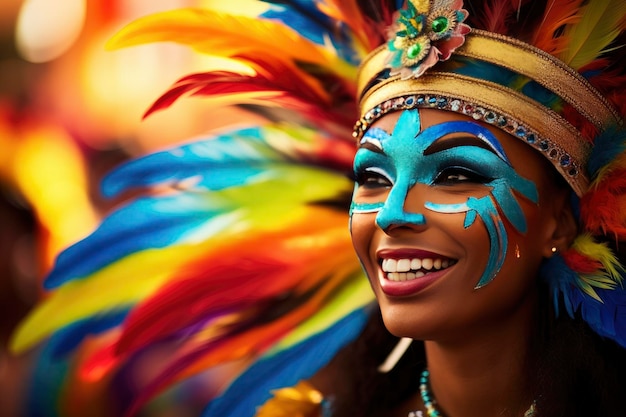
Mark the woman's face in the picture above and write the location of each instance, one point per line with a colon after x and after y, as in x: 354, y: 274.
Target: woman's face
x: 450, y: 219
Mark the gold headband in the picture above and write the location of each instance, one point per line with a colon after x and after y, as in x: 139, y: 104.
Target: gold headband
x: 540, y: 127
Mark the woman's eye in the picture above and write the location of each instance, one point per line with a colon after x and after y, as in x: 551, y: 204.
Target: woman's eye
x: 372, y: 180
x: 456, y: 175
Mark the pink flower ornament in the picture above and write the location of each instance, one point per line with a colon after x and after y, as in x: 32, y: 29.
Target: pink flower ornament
x: 426, y: 32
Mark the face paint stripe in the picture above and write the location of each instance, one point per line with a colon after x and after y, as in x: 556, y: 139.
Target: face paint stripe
x: 393, y: 213
x: 366, y: 208
x: 470, y: 218
x: 510, y: 207
x: 497, y: 238
x: 480, y: 132
x: 376, y: 134
x: 446, y: 208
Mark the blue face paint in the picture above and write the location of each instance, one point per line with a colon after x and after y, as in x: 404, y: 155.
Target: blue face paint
x: 410, y: 155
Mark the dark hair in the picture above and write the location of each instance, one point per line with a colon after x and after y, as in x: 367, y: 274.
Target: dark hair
x: 578, y: 373
x: 361, y: 389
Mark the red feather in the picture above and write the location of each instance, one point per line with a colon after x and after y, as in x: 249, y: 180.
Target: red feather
x: 254, y: 340
x: 602, y: 208
x: 496, y: 15
x: 609, y: 79
x: 226, y: 82
x: 229, y: 284
x: 587, y: 129
x: 580, y: 263
x: 275, y: 86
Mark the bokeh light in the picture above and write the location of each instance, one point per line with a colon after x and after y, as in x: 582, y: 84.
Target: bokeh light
x: 46, y: 29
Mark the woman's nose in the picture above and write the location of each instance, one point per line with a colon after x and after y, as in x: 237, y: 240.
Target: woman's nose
x: 393, y: 213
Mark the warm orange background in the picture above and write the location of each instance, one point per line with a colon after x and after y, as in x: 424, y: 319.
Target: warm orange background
x: 65, y: 120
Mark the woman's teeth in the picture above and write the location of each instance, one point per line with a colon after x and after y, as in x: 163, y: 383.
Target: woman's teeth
x: 408, y: 269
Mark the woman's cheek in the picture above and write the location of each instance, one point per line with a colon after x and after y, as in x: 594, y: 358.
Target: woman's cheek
x: 362, y: 226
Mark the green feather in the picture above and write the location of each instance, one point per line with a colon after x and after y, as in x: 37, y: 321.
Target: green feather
x: 600, y: 23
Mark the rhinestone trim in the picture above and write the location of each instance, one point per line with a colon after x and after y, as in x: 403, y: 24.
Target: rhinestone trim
x: 552, y: 151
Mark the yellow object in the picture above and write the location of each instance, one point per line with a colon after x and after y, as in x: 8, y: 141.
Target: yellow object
x: 301, y: 400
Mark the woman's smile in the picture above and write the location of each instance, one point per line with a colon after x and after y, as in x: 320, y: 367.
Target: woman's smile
x: 408, y: 271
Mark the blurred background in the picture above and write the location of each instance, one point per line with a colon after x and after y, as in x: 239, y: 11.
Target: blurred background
x: 70, y: 111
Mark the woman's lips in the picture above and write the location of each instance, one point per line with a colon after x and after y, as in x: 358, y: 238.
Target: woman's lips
x: 408, y: 271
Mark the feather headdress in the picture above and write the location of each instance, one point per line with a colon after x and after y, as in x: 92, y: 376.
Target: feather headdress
x: 552, y: 76
x: 238, y: 251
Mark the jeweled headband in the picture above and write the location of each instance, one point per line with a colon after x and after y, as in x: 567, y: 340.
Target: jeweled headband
x: 489, y: 77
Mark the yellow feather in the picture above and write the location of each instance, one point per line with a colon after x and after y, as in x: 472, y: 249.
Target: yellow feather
x: 252, y: 8
x: 608, y: 278
x: 287, y: 186
x: 618, y: 162
x: 599, y: 25
x: 586, y: 245
x: 240, y: 37
x: 222, y: 34
x: 121, y: 284
x: 347, y: 11
x: 357, y: 293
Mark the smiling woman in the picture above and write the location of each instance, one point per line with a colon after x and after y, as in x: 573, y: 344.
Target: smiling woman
x: 467, y: 222
x: 442, y: 188
x: 488, y: 176
x: 452, y: 234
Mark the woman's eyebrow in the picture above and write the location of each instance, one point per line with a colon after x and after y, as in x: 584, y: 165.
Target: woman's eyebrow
x: 372, y: 140
x: 444, y: 143
x: 371, y: 146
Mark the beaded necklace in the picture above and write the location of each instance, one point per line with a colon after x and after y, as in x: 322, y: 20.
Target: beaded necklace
x: 430, y: 402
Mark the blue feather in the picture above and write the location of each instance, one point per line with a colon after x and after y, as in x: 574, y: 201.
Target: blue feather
x: 46, y: 384
x: 285, y: 369
x: 67, y: 339
x: 152, y: 223
x: 485, y: 71
x: 304, y: 17
x: 506, y: 78
x: 607, y: 146
x: 231, y: 159
x: 605, y: 318
x: 561, y: 280
x: 608, y: 318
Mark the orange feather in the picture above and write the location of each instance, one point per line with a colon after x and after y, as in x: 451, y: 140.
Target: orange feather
x: 558, y: 14
x: 221, y: 34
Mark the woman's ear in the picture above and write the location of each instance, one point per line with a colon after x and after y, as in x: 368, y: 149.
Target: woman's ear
x: 564, y: 226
